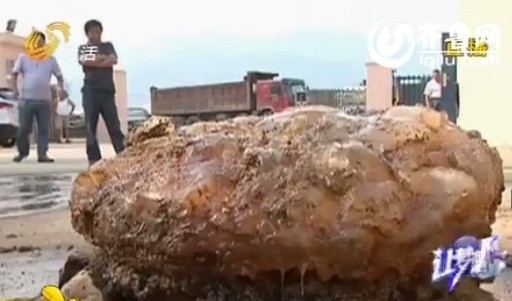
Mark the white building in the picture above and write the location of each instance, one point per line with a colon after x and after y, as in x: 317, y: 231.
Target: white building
x: 486, y: 92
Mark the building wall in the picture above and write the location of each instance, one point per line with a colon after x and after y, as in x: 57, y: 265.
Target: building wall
x: 10, y: 48
x: 122, y: 106
x: 486, y: 92
x: 379, y: 87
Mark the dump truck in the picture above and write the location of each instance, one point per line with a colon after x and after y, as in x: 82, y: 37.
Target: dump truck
x: 259, y: 93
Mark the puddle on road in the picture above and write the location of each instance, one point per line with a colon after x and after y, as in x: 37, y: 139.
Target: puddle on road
x: 25, y: 194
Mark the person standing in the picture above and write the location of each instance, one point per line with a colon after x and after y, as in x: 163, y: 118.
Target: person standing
x: 97, y: 59
x: 36, y: 101
x: 432, y: 91
x: 65, y: 108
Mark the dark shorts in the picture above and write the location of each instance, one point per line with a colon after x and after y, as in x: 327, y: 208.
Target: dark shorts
x: 436, y: 104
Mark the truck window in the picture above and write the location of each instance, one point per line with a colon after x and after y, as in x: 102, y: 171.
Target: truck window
x: 275, y: 89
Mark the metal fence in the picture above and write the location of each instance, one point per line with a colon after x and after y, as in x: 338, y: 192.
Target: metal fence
x: 351, y: 100
x: 408, y: 89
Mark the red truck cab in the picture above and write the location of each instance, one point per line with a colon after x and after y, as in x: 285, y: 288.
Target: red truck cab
x: 278, y: 94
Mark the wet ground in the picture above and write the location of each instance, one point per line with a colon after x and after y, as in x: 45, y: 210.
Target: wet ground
x: 25, y: 194
x: 24, y: 274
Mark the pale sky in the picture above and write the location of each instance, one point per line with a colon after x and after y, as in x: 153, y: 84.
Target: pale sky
x: 138, y: 28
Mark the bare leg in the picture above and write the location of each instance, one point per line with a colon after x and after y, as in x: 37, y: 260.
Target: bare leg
x: 65, y: 132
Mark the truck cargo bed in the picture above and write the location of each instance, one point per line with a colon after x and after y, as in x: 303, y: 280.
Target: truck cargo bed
x: 224, y: 97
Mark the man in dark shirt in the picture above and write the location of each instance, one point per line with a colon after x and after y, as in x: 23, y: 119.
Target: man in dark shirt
x: 97, y: 59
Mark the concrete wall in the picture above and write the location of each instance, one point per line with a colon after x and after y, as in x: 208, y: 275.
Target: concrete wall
x: 122, y: 106
x: 10, y: 48
x: 379, y: 87
x: 486, y: 92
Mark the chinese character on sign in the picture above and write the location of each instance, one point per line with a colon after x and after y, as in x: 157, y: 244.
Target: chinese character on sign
x: 468, y: 257
x: 454, y: 47
x: 477, y: 47
x: 87, y: 53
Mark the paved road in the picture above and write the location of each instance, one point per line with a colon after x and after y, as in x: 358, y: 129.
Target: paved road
x: 24, y: 274
x: 502, y: 286
x: 69, y: 158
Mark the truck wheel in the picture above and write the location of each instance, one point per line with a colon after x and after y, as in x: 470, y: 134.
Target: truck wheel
x: 178, y: 121
x: 221, y: 117
x: 267, y: 113
x: 8, y: 142
x: 193, y: 119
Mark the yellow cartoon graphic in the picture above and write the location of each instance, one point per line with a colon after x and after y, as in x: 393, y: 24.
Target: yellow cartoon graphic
x: 53, y: 293
x: 38, y: 52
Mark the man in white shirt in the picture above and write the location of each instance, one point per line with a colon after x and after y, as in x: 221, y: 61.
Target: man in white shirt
x: 64, y: 109
x: 432, y: 91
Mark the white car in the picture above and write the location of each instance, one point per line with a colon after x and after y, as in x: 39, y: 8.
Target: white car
x: 8, y: 118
